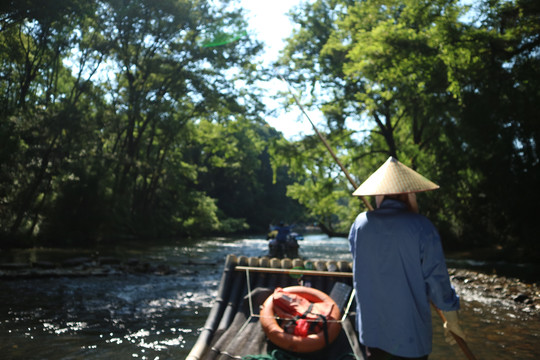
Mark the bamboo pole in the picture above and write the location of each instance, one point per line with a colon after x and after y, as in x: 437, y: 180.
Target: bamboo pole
x: 325, y: 142
x: 461, y: 342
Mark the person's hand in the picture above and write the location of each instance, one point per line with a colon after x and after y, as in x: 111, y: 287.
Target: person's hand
x: 452, y: 326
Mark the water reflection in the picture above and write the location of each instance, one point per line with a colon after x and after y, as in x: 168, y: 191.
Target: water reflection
x: 150, y: 316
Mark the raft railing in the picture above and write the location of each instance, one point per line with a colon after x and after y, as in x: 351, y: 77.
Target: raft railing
x: 264, y: 273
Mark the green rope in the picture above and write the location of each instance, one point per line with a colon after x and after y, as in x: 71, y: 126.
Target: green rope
x: 275, y: 355
x: 281, y: 355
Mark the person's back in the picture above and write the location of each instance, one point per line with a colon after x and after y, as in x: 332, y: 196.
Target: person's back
x: 396, y: 252
x: 398, y: 266
x: 283, y: 232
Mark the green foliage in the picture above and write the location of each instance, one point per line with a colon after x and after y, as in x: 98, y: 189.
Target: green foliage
x: 448, y: 89
x: 321, y: 188
x: 116, y: 122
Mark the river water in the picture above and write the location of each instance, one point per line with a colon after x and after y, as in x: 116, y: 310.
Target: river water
x: 152, y: 315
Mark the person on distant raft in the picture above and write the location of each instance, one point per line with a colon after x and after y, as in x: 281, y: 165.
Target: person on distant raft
x: 278, y: 237
x: 399, y: 268
x: 282, y: 232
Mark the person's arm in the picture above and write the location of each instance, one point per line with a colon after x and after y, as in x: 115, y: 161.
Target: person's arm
x: 439, y: 289
x: 352, y: 237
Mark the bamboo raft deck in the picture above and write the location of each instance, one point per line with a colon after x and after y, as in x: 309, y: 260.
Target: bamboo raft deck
x: 232, y: 329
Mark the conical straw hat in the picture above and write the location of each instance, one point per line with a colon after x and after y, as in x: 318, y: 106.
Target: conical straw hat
x: 394, y: 178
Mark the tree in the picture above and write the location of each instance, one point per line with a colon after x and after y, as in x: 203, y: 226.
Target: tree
x: 39, y: 96
x: 446, y: 89
x: 491, y: 64
x: 166, y: 83
x: 234, y: 169
x: 105, y: 106
x: 361, y: 53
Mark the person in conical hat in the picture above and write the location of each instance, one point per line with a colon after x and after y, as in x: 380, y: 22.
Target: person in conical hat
x: 399, y: 268
x: 397, y: 180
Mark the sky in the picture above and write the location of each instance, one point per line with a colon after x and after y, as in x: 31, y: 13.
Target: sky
x: 269, y: 22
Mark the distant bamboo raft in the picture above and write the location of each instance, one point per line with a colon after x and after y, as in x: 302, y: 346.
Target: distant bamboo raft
x: 231, y: 331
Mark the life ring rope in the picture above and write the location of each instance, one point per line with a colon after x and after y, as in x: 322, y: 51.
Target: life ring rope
x: 280, y: 318
x: 332, y: 322
x: 295, y: 342
x: 252, y: 313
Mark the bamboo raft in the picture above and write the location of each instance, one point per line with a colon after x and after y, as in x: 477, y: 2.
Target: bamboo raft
x: 232, y: 329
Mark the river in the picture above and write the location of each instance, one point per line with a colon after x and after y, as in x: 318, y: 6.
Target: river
x: 158, y: 311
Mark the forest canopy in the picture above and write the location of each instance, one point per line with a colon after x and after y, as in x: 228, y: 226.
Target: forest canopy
x: 449, y: 88
x: 118, y: 120
x: 144, y: 118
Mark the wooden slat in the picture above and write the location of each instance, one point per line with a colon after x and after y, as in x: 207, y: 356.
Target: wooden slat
x: 294, y: 271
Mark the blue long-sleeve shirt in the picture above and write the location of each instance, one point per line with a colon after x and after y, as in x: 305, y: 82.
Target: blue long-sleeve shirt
x: 399, y: 267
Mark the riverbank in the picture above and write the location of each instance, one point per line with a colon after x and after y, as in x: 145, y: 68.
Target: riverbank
x: 81, y: 267
x: 508, y: 291
x: 491, y: 288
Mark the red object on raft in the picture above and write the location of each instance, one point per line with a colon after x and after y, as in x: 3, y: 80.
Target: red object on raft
x: 299, y: 299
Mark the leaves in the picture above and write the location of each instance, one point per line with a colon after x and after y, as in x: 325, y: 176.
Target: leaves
x: 438, y: 85
x: 118, y: 123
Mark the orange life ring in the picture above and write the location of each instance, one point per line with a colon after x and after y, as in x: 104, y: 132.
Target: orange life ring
x: 295, y: 343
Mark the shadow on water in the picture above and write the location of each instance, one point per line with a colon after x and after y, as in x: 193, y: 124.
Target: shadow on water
x: 147, y: 314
